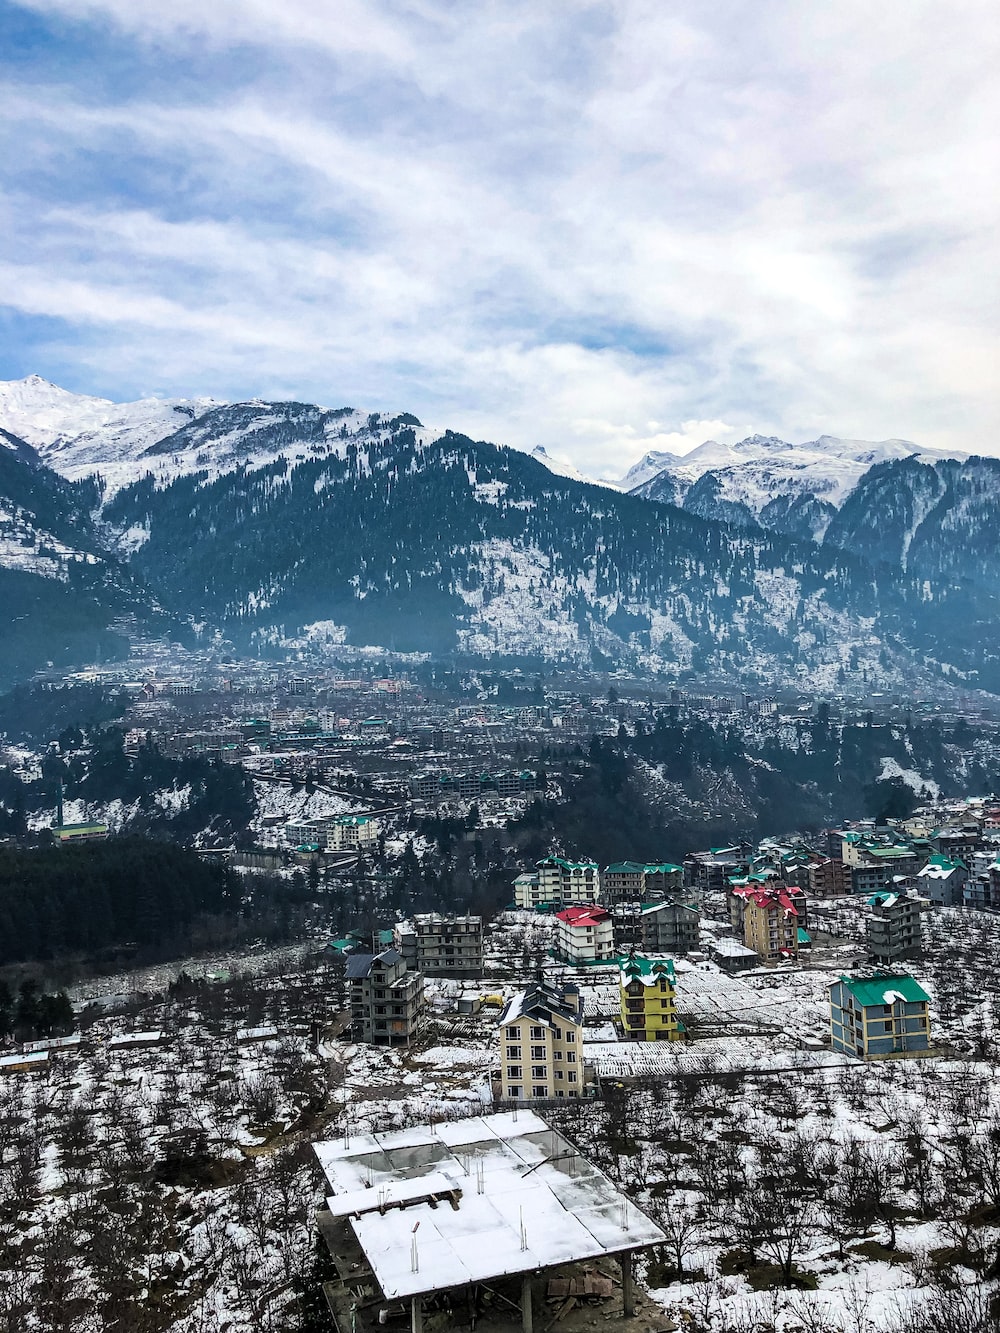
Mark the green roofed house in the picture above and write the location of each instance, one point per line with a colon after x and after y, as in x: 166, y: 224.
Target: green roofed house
x: 65, y: 834
x: 879, y: 1017
x: 641, y: 881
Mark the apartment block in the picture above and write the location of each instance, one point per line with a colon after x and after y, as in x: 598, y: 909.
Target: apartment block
x: 584, y: 935
x: 334, y: 833
x: 942, y: 881
x: 541, y: 1044
x: 708, y: 871
x: 648, y: 999
x: 668, y: 928
x: 879, y: 1017
x: 770, y: 917
x: 640, y: 882
x: 556, y: 882
x: 893, y: 926
x: 387, y: 999
x: 442, y: 946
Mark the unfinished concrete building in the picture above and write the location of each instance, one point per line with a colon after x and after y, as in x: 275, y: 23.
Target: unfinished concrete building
x: 468, y: 1222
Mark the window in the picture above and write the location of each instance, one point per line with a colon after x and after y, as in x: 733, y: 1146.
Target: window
x: 559, y: 1075
x: 513, y: 1034
x: 571, y: 1076
x: 537, y: 1034
x: 513, y: 1052
x: 539, y: 1090
x: 570, y: 1036
x: 513, y: 1071
x: 571, y: 1057
x: 538, y: 1071
x: 558, y: 1055
x: 538, y: 1052
x: 514, y: 1090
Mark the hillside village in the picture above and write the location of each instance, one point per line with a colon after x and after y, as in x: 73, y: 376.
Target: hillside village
x: 696, y: 1035
x: 448, y: 974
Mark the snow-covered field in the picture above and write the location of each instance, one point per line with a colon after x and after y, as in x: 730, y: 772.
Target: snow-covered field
x: 752, y: 1145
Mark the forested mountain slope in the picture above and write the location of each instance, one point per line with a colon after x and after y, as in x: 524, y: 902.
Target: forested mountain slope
x: 284, y: 524
x: 59, y: 586
x: 452, y: 545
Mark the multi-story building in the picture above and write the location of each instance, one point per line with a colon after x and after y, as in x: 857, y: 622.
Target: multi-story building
x: 669, y: 928
x: 648, y: 999
x: 334, y: 833
x: 472, y: 786
x: 541, y: 1044
x: 893, y: 925
x: 556, y: 882
x: 820, y: 876
x: 351, y: 832
x: 584, y: 935
x: 959, y: 842
x: 567, y: 882
x: 872, y: 862
x: 942, y: 881
x: 879, y: 1016
x: 387, y: 999
x: 442, y: 946
x: 878, y: 867
x: 770, y: 917
x: 708, y: 871
x: 983, y: 889
x: 528, y: 891
x: 640, y: 882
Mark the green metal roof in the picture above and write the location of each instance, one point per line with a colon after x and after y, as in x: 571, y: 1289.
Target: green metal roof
x: 639, y: 965
x: 874, y: 990
x: 644, y: 868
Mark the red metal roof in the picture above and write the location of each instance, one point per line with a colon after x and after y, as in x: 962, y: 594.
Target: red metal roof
x: 583, y: 916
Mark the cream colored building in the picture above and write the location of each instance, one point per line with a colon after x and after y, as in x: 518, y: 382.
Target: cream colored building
x: 541, y: 1044
x: 559, y: 883
x: 771, y: 916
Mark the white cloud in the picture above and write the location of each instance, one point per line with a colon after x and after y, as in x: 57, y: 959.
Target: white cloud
x: 606, y: 229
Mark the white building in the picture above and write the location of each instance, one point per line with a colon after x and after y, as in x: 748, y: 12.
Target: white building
x: 585, y: 934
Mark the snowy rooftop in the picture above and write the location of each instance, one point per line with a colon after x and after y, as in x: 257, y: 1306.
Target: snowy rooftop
x: 524, y: 1198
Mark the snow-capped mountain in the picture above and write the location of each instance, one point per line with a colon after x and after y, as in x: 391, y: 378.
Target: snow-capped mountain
x: 562, y: 467
x: 78, y: 435
x: 60, y: 586
x: 792, y: 488
x: 292, y: 526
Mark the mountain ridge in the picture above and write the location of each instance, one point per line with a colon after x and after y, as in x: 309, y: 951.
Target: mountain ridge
x: 287, y: 526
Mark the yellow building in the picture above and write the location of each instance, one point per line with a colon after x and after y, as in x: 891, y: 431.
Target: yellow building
x: 541, y: 1044
x: 648, y: 1008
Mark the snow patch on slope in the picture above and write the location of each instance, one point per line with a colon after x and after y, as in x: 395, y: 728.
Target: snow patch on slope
x: 892, y: 769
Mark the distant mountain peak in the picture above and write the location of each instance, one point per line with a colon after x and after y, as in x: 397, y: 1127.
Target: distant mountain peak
x: 564, y: 468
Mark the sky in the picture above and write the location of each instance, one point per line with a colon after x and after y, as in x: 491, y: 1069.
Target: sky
x: 602, y: 226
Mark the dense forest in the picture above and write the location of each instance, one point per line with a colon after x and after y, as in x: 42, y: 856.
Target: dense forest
x: 91, y: 898
x: 463, y: 527
x: 663, y: 790
x: 36, y: 712
x: 179, y: 797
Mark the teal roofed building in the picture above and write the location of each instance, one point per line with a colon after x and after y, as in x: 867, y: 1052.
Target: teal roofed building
x: 879, y: 1017
x: 942, y: 880
x: 641, y: 881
